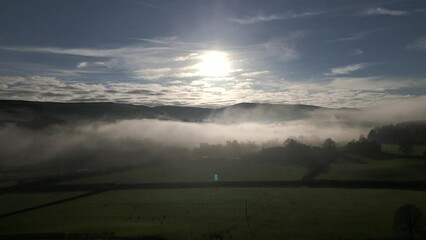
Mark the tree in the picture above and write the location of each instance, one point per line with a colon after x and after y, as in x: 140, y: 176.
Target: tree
x: 372, y: 135
x: 406, y: 147
x: 408, y: 219
x: 291, y: 142
x: 329, y: 145
x: 363, y: 146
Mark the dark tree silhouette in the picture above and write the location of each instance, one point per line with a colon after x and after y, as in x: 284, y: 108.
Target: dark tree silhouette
x: 292, y: 143
x: 406, y: 147
x: 415, y: 131
x: 409, y: 220
x: 329, y: 145
x: 364, y: 146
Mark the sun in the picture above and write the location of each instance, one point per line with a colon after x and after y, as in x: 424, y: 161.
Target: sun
x: 214, y: 64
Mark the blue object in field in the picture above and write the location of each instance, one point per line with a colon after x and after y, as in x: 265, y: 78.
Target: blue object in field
x: 216, y: 177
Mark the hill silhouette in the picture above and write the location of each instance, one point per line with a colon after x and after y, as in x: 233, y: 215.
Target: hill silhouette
x: 41, y: 114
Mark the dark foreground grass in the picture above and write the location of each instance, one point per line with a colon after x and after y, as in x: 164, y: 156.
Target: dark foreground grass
x: 300, y: 213
x: 17, y: 201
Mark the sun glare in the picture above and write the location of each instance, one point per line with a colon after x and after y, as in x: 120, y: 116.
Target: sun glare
x: 214, y: 64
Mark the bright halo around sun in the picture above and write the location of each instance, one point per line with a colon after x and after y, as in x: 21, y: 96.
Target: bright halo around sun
x: 214, y: 64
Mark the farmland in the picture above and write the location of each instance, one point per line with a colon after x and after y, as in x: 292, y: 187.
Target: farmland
x: 201, y: 171
x: 198, y: 213
x: 362, y: 168
x: 174, y: 212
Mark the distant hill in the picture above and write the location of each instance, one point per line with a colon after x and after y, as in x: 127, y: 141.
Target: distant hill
x: 41, y: 114
x: 261, y: 112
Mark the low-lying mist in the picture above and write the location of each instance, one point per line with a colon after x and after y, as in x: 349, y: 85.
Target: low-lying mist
x: 134, y: 139
x: 149, y: 139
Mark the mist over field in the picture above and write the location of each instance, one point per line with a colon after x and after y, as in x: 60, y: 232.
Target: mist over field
x: 139, y: 139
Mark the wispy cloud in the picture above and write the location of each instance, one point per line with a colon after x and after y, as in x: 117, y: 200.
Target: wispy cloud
x: 142, y: 62
x: 376, y: 83
x: 340, y: 92
x: 356, y: 36
x: 87, y: 52
x: 385, y: 11
x: 273, y: 17
x: 346, y: 69
x: 419, y: 43
x: 167, y: 59
x: 357, y: 52
x: 97, y: 64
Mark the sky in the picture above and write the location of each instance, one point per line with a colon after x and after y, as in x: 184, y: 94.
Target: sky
x: 330, y: 53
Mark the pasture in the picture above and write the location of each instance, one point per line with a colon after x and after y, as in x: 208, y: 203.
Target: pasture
x: 299, y: 213
x: 201, y: 171
x: 361, y: 168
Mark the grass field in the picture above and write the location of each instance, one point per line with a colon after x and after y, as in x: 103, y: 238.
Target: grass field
x: 202, y: 171
x: 17, y: 201
x: 358, y: 168
x: 197, y: 213
x: 4, y: 184
x: 287, y: 213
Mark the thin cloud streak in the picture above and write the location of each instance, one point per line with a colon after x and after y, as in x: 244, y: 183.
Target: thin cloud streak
x: 356, y: 36
x: 346, y: 69
x: 385, y: 11
x: 419, y: 44
x: 274, y: 17
x: 376, y: 83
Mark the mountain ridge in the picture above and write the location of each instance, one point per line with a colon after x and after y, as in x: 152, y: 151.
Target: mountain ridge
x: 40, y: 114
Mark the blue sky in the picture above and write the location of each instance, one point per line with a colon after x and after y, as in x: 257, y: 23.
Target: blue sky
x: 336, y: 53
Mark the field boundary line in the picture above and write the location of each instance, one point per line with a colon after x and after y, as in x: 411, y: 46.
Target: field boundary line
x: 5, y: 215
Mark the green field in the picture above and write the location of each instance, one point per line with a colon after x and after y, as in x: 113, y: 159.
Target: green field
x: 17, y: 201
x: 4, y: 184
x: 201, y: 171
x: 197, y: 213
x: 274, y: 213
x: 358, y: 168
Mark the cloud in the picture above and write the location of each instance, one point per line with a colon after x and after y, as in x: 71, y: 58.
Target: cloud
x: 153, y: 73
x: 211, y: 92
x: 420, y: 44
x: 84, y: 65
x: 88, y: 52
x: 384, y: 11
x: 273, y: 17
x: 346, y: 69
x: 357, y: 52
x: 165, y: 73
x: 254, y: 74
x: 356, y: 36
x: 376, y: 83
x: 166, y: 60
x: 149, y: 63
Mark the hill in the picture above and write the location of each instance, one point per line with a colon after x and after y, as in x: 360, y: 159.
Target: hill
x: 41, y: 114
